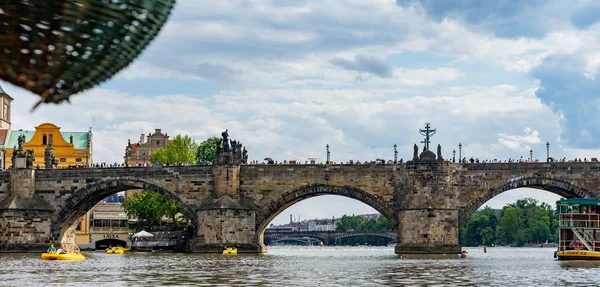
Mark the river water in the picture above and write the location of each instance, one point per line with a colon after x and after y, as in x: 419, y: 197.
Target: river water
x: 303, y: 266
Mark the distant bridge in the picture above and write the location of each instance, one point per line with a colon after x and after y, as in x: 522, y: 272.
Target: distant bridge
x: 327, y: 237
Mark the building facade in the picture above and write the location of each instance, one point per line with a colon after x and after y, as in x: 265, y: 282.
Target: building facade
x: 69, y: 148
x: 5, y: 115
x: 103, y: 225
x: 141, y: 151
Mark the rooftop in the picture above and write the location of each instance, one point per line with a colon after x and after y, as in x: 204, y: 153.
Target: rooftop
x: 80, y: 139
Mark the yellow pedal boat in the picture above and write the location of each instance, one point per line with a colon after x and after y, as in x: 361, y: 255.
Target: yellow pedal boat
x: 230, y: 251
x: 55, y: 256
x: 116, y: 250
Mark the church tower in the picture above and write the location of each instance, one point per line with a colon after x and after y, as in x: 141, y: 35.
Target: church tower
x: 5, y: 112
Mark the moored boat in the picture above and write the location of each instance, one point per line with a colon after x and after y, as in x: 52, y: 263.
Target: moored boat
x: 56, y: 256
x: 579, y: 229
x: 116, y: 250
x: 230, y: 251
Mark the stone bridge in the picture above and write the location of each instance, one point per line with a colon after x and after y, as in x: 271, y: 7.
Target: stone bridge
x: 328, y: 237
x: 231, y: 205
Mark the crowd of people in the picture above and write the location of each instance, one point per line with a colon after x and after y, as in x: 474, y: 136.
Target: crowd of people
x: 350, y: 162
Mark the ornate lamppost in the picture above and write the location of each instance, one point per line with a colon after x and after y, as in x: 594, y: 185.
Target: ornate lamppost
x: 530, y: 154
x: 547, y: 151
x: 453, y: 155
x: 395, y: 154
x: 460, y: 152
x: 328, y: 153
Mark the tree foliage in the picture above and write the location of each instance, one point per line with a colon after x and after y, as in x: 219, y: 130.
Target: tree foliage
x: 207, y: 151
x: 524, y: 222
x: 182, y: 149
x: 360, y: 223
x: 150, y: 208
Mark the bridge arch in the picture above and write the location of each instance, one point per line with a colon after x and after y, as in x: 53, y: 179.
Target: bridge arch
x: 299, y: 235
x: 274, y: 208
x: 557, y: 186
x: 83, y: 199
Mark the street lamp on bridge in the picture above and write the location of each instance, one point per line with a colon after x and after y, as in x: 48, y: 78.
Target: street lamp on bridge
x: 530, y: 154
x: 328, y: 153
x: 395, y: 154
x: 460, y: 152
x: 547, y: 151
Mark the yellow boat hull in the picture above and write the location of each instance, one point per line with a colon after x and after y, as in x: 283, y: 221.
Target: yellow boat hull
x: 230, y: 251
x: 54, y: 256
x: 115, y: 251
x: 577, y: 255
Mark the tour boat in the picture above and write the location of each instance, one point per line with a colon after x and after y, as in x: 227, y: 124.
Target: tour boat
x: 230, y: 251
x: 579, y: 229
x: 56, y: 256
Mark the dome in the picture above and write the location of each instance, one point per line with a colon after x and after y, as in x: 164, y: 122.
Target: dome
x: 427, y: 155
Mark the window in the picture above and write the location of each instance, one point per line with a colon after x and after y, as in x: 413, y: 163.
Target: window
x: 78, y: 226
x: 50, y: 139
x: 44, y: 139
x: 78, y: 159
x: 5, y: 117
x: 62, y: 159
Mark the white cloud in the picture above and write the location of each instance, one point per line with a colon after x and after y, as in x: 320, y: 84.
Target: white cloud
x: 520, y: 142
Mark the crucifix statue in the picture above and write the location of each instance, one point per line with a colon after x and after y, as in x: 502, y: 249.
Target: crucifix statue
x: 427, y: 132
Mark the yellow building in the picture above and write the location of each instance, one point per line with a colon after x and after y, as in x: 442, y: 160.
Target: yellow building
x: 105, y: 224
x: 69, y: 148
x: 141, y: 151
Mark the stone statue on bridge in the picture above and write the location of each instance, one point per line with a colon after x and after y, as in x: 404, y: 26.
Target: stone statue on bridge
x: 232, y: 152
x: 22, y: 158
x: 416, y: 153
x: 225, y: 139
x: 29, y: 158
x: 244, y: 156
x: 49, y: 158
x: 233, y: 146
x: 21, y: 141
x: 439, y: 153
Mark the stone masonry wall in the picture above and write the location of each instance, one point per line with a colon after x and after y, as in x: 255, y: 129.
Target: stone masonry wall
x: 24, y: 230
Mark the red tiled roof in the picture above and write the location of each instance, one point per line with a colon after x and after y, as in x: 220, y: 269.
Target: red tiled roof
x: 3, y: 136
x: 133, y: 148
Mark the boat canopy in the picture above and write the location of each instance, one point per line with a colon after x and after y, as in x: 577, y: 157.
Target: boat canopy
x: 579, y: 201
x: 143, y: 234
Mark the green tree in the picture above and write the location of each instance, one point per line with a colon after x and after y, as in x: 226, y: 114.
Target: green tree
x: 510, y: 225
x: 150, y: 208
x: 182, y: 149
x: 487, y: 236
x: 207, y: 151
x: 159, y: 156
x: 147, y: 207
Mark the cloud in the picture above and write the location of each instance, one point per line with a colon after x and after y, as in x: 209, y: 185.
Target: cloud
x: 518, y: 142
x: 586, y: 15
x: 365, y: 64
x: 568, y: 85
x: 504, y: 18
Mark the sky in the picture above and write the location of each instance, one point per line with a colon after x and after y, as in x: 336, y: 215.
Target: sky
x: 289, y: 77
